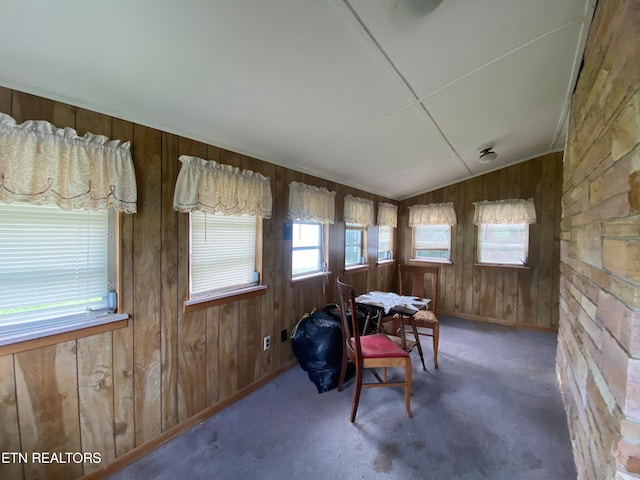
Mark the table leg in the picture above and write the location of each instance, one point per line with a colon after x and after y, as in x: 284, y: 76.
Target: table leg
x: 417, y: 337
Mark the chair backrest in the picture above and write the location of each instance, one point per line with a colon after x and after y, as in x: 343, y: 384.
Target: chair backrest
x: 417, y: 273
x: 350, y: 327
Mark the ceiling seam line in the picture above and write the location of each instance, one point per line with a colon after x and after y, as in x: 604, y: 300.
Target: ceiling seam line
x: 492, y: 61
x: 404, y: 81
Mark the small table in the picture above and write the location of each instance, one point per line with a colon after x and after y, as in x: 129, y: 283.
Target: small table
x: 392, y: 303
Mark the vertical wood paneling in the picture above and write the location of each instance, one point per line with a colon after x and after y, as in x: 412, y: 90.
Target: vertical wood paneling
x: 213, y: 356
x: 5, y: 100
x: 146, y: 252
x: 47, y: 394
x: 29, y: 107
x: 171, y: 311
x: 517, y: 296
x: 228, y: 350
x: 123, y: 402
x: 9, y: 429
x: 123, y: 388
x: 192, y: 331
x: 95, y: 396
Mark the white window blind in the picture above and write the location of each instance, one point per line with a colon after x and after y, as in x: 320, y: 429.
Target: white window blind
x: 223, y: 253
x: 432, y: 242
x: 54, y: 264
x: 506, y: 244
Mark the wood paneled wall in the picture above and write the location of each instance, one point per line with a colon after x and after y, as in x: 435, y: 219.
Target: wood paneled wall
x: 112, y: 392
x: 519, y: 297
x: 118, y: 390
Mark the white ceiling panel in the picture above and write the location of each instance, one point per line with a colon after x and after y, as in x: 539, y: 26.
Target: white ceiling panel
x: 356, y: 91
x: 521, y: 115
x: 460, y: 36
x: 400, y: 152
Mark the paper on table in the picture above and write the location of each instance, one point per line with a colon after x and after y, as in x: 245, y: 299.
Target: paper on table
x: 389, y: 300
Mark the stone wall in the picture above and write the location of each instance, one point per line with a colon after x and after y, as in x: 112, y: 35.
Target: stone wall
x: 598, y: 362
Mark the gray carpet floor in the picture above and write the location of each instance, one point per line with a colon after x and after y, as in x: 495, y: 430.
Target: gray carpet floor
x: 491, y: 411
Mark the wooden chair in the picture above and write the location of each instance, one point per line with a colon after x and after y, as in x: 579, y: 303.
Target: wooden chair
x: 423, y: 318
x: 369, y: 351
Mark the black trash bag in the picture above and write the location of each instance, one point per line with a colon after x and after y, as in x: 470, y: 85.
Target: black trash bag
x: 317, y: 343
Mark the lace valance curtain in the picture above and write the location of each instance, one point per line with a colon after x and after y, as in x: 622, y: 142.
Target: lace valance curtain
x: 45, y: 165
x: 432, y: 214
x: 211, y: 187
x: 358, y: 210
x: 387, y: 215
x: 505, y: 211
x: 311, y: 204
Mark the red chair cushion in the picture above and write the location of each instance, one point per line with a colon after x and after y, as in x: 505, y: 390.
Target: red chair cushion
x: 379, y: 345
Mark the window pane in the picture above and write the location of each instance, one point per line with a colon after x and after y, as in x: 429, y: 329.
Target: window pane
x: 306, y: 235
x: 54, y: 263
x: 306, y: 255
x: 222, y: 254
x: 385, y: 242
x: 354, y: 246
x: 432, y: 242
x: 507, y: 244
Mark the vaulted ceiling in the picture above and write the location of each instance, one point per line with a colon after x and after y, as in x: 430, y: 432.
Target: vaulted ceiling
x: 374, y: 94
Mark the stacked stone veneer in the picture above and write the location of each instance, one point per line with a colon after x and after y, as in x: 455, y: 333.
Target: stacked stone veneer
x: 598, y: 362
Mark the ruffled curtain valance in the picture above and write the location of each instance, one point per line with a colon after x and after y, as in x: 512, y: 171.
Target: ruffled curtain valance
x: 45, y: 165
x: 358, y: 210
x: 505, y: 211
x: 387, y: 215
x: 432, y: 214
x: 311, y: 204
x: 211, y: 187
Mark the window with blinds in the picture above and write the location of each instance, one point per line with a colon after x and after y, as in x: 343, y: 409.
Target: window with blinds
x: 385, y: 242
x: 503, y: 244
x: 222, y: 253
x: 55, y: 265
x: 432, y: 243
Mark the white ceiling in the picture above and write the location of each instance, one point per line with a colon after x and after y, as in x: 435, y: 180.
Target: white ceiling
x: 361, y: 92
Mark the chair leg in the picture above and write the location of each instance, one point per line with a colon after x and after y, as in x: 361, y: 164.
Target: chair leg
x: 343, y: 370
x: 356, y: 393
x: 407, y: 387
x: 436, y: 337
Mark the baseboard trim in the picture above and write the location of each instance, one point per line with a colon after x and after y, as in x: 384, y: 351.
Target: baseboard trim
x: 479, y: 318
x: 147, y: 447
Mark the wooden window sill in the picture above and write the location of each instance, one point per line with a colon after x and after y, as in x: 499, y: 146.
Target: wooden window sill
x: 356, y: 268
x: 502, y: 265
x: 114, y: 322
x: 386, y: 263
x: 430, y: 262
x: 201, y: 303
x: 310, y: 277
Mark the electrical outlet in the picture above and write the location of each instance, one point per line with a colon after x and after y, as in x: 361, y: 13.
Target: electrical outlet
x: 266, y: 342
x: 283, y: 336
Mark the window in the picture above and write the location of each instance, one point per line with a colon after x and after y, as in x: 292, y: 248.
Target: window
x: 307, y: 252
x: 355, y: 246
x: 432, y: 243
x: 506, y: 244
x: 503, y: 230
x: 222, y: 253
x: 56, y: 269
x: 385, y: 242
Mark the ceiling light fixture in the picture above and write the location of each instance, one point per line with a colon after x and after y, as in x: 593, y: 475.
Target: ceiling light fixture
x: 418, y: 8
x: 487, y: 155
